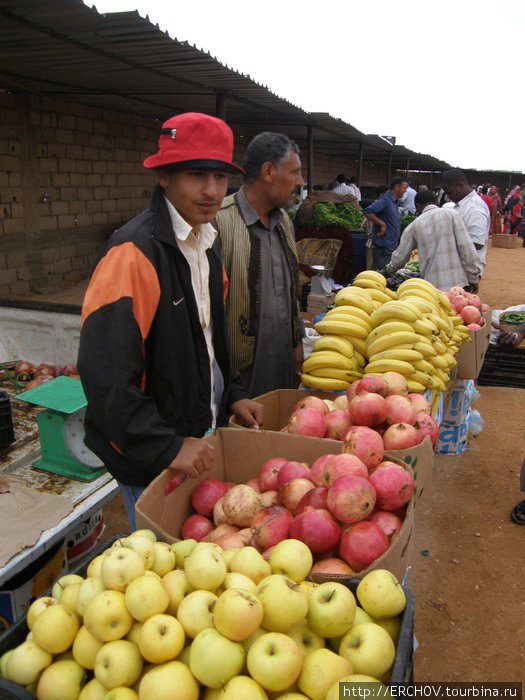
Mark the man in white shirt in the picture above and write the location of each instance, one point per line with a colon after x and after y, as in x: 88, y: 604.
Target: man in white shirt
x: 470, y: 206
x: 446, y: 254
x: 407, y: 203
x: 352, y: 183
x: 342, y: 187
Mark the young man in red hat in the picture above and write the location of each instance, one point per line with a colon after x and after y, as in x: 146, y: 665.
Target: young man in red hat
x: 153, y: 355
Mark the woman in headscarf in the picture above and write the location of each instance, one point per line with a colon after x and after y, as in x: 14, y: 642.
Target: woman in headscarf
x: 495, y: 211
x: 513, y: 211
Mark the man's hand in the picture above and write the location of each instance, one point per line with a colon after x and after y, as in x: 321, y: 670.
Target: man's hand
x: 298, y: 356
x: 513, y: 338
x: 194, y: 457
x: 472, y: 288
x: 249, y: 413
x: 382, y: 229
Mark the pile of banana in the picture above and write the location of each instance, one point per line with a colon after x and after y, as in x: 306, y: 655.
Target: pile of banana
x: 373, y: 330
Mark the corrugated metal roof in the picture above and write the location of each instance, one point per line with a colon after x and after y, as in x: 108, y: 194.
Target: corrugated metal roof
x: 64, y: 49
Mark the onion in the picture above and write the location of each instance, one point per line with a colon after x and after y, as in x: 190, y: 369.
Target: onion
x: 24, y: 368
x: 44, y: 369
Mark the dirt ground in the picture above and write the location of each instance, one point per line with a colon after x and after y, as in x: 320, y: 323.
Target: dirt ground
x: 470, y: 588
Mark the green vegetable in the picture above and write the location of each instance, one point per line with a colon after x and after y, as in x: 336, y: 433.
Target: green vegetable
x: 513, y: 317
x: 343, y: 215
x: 408, y: 219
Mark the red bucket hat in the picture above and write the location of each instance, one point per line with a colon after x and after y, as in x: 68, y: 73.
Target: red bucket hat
x: 195, y: 140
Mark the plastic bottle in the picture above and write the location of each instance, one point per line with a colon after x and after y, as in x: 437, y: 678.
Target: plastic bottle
x: 476, y: 422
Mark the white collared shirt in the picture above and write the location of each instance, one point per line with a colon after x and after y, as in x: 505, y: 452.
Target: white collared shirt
x: 476, y: 217
x: 194, y: 248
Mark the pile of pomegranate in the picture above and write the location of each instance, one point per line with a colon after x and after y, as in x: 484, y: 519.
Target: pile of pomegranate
x: 346, y: 507
x: 468, y: 306
x: 376, y: 412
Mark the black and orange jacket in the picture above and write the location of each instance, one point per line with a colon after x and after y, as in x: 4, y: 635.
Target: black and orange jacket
x: 142, y: 357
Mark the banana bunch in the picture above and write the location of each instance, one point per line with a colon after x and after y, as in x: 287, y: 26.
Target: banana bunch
x: 415, y: 335
x: 375, y: 283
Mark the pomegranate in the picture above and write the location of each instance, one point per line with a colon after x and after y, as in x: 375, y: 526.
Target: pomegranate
x: 254, y: 483
x: 270, y: 525
x: 292, y: 470
x: 351, y: 498
x: 312, y: 402
x: 473, y: 326
x: 269, y: 498
x: 474, y: 300
x: 336, y: 421
x: 400, y: 409
x: 457, y: 291
x: 339, y: 465
x: 426, y: 425
x: 206, y: 494
x: 220, y: 530
x: 317, y: 528
x: 396, y: 383
x: 291, y: 493
x: 268, y: 473
x: 351, y: 391
x: 389, y: 522
x: 331, y: 404
x: 485, y: 307
x: 361, y: 544
x: 364, y: 443
x: 341, y: 401
x: 314, y: 498
x: 367, y: 409
x: 232, y: 540
x: 469, y: 315
x: 195, y: 527
x: 218, y: 514
x: 307, y: 421
x: 458, y: 303
x: 373, y: 383
x: 240, y: 503
x: 400, y: 436
x: 393, y: 485
x: 420, y: 403
x: 332, y: 565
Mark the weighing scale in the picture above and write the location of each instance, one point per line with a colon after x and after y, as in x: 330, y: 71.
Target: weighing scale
x: 319, y: 283
x: 61, y: 429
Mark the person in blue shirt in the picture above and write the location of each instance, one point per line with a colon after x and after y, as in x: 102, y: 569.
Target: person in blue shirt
x: 384, y: 215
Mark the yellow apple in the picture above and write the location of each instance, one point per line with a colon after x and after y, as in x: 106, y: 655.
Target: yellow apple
x: 369, y: 649
x: 69, y: 596
x: 284, y: 603
x: 121, y: 693
x: 321, y: 669
x: 291, y: 558
x: 63, y: 582
x: 195, y: 612
x: 307, y: 586
x: 331, y: 609
x: 380, y: 594
x: 391, y: 624
x: 85, y: 648
x: 249, y: 561
x: 165, y: 681
x: 145, y: 532
x: 93, y: 690
x: 36, y: 608
x: 293, y: 696
x: 24, y: 664
x: 274, y: 661
x: 143, y: 546
x: 234, y: 579
x: 247, y: 643
x: 182, y: 548
x: 361, y: 616
x: 176, y: 585
x: 55, y: 628
x: 184, y: 656
x: 165, y: 558
x: 118, y: 663
x: 61, y: 680
x: 205, y: 568
x: 228, y: 555
x: 362, y: 683
x: 146, y: 596
x: 243, y: 687
x: 134, y: 634
x: 161, y: 638
x: 88, y: 589
x: 237, y: 614
x: 107, y: 617
x: 307, y: 640
x: 214, y: 659
x: 93, y: 568
x: 3, y: 662
x: 119, y: 567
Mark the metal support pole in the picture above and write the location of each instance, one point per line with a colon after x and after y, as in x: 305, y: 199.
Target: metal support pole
x: 309, y: 158
x: 220, y: 106
x: 360, y: 162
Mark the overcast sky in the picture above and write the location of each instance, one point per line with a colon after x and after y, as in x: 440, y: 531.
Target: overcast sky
x: 445, y: 78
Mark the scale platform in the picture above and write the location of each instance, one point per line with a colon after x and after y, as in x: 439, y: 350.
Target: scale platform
x: 61, y: 429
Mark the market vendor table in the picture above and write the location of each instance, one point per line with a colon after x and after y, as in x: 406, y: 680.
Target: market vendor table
x: 344, y: 264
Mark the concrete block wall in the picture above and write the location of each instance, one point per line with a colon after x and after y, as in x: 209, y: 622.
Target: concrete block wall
x: 69, y: 175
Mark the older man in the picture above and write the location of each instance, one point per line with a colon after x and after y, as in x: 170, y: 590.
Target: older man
x: 447, y: 257
x: 470, y: 207
x: 258, y: 251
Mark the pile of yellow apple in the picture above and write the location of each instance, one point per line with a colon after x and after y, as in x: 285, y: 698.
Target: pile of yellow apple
x: 153, y: 621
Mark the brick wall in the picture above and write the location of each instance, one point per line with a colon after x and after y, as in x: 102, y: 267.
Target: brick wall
x: 69, y: 175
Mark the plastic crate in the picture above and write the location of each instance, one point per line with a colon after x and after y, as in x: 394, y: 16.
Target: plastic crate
x: 402, y: 669
x: 17, y: 632
x: 7, y: 434
x: 503, y: 367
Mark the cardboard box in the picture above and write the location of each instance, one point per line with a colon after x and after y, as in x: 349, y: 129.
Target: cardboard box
x: 459, y: 402
x: 453, y: 437
x: 506, y: 240
x: 470, y: 355
x: 238, y: 455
